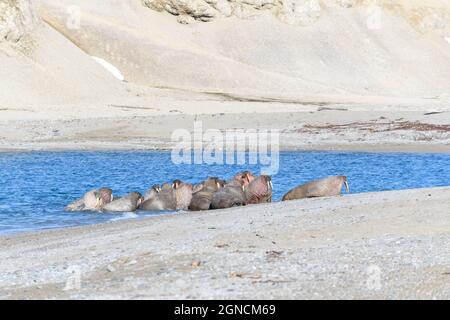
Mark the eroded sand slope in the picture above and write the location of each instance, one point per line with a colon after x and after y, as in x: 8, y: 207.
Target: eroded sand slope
x: 332, y: 48
x: 39, y: 67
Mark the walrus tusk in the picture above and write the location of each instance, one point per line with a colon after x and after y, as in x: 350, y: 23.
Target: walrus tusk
x: 271, y: 185
x: 346, y: 186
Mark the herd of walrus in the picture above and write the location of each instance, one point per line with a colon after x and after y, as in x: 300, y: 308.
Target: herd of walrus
x: 213, y: 193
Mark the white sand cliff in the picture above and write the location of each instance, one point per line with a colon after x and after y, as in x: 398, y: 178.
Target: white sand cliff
x: 347, y: 49
x: 348, y: 52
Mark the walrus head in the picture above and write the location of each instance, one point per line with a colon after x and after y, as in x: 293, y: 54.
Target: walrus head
x: 214, y: 183
x: 259, y: 190
x: 178, y: 184
x: 156, y: 188
x: 344, y: 178
x: 136, y: 196
x: 103, y: 197
x: 269, y: 183
x: 246, y: 177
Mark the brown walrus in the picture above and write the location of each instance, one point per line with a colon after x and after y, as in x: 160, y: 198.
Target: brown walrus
x: 246, y: 177
x: 183, y: 194
x: 331, y: 186
x: 152, y: 192
x: 259, y: 190
x: 164, y: 200
x: 129, y: 203
x: 170, y: 197
x: 93, y: 200
x: 201, y: 200
x: 231, y: 195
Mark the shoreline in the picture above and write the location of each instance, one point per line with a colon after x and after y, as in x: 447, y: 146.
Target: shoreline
x: 309, y: 130
x: 387, y: 148
x: 312, y: 248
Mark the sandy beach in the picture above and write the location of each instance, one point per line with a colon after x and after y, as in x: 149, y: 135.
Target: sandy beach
x: 301, y: 128
x: 375, y: 245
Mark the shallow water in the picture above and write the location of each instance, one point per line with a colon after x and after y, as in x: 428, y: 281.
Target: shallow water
x: 36, y: 186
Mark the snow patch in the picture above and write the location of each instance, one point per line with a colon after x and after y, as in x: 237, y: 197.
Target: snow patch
x: 108, y: 66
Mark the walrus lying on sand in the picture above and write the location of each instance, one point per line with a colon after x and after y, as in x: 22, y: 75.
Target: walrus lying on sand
x: 201, y: 200
x: 331, y: 186
x: 231, y: 195
x: 259, y: 190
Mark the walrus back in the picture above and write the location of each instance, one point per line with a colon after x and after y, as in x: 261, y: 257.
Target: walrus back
x: 330, y: 186
x: 201, y: 200
x: 165, y: 200
x: 120, y: 205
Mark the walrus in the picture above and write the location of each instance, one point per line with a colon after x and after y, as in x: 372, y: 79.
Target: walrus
x: 201, y: 200
x: 175, y: 196
x: 183, y: 194
x: 331, y: 186
x: 164, y: 200
x: 259, y: 190
x: 246, y: 177
x: 129, y: 203
x: 231, y: 195
x: 152, y: 192
x: 93, y: 200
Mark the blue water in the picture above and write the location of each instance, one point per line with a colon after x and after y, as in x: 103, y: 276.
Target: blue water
x: 35, y: 187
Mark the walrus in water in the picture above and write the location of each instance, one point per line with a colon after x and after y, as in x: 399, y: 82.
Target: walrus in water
x: 231, y: 195
x: 259, y: 190
x: 331, y: 186
x: 93, y: 200
x: 152, y: 192
x: 164, y: 200
x: 201, y: 200
x: 170, y: 197
x: 128, y: 203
